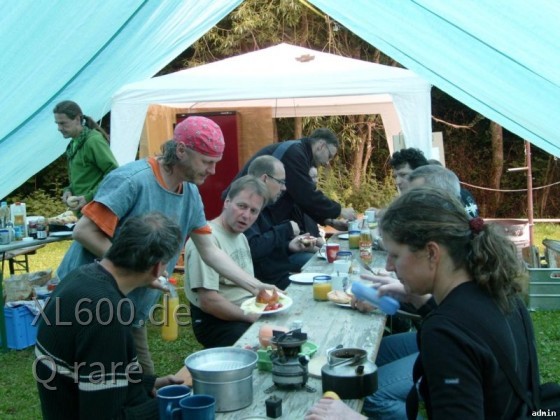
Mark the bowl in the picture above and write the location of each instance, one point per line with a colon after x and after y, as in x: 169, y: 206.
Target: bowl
x: 226, y: 373
x: 221, y: 363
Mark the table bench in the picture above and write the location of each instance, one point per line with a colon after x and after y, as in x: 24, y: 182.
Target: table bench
x: 19, y: 264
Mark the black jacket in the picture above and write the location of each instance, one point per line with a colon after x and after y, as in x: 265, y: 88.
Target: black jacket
x: 269, y: 249
x: 300, y: 189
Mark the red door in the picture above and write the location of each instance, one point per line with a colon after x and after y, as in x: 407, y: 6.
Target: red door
x: 226, y: 169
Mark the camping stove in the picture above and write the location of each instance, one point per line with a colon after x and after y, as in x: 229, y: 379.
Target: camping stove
x: 289, y: 368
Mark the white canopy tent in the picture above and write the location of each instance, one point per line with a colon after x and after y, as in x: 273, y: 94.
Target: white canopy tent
x: 293, y: 81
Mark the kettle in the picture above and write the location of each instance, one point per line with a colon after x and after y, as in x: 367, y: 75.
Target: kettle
x: 349, y: 373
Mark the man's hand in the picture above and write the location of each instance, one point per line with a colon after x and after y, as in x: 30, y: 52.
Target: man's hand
x: 348, y: 213
x: 76, y: 202
x: 302, y: 243
x: 164, y: 381
x: 65, y: 196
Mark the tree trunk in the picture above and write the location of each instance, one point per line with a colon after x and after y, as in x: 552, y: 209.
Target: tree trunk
x: 550, y: 175
x: 298, y: 128
x: 497, y: 166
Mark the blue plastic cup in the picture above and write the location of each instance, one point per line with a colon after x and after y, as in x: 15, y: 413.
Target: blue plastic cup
x: 168, y: 400
x: 198, y: 407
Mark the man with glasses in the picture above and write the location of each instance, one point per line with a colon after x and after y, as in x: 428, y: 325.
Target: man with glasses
x: 273, y: 245
x: 298, y: 156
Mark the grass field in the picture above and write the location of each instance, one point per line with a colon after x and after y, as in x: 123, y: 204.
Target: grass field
x: 17, y: 385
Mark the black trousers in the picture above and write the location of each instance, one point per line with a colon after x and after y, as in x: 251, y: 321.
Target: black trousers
x: 214, y: 332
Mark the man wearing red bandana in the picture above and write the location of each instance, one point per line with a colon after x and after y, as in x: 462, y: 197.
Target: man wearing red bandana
x: 168, y: 184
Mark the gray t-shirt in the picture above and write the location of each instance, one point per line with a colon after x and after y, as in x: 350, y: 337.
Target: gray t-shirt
x: 132, y: 190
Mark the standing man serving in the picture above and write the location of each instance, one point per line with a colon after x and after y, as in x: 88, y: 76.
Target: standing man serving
x: 298, y: 156
x: 167, y: 184
x: 88, y: 154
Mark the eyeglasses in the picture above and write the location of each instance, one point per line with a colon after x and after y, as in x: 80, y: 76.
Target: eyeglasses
x: 280, y: 181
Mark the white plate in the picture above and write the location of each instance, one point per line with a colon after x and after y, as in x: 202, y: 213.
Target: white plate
x: 343, y: 236
x: 61, y: 233
x: 305, y: 278
x: 250, y: 306
x: 343, y: 305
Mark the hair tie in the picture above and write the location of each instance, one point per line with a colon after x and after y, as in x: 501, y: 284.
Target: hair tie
x: 476, y: 224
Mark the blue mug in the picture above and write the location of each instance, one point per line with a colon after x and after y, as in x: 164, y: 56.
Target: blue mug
x: 198, y: 407
x: 168, y: 400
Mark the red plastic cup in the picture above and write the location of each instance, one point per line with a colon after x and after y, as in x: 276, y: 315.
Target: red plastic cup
x: 332, y: 250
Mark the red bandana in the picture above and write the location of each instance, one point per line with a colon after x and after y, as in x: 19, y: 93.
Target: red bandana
x: 201, y: 135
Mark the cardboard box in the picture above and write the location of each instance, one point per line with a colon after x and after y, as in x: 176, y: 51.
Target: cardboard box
x: 544, y: 289
x: 19, y: 331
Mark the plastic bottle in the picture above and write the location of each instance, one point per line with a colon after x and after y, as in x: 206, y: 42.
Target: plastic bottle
x: 11, y: 231
x: 386, y: 303
x: 366, y: 253
x: 19, y: 216
x: 4, y: 214
x: 170, y: 328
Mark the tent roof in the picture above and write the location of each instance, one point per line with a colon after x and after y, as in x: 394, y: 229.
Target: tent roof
x: 498, y: 57
x: 293, y: 81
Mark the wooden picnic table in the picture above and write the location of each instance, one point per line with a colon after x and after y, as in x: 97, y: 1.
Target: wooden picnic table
x: 327, y: 326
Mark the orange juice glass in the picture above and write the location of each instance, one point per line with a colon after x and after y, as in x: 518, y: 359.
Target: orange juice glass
x: 322, y: 285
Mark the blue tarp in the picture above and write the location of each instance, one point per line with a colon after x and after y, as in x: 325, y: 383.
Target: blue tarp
x: 498, y: 57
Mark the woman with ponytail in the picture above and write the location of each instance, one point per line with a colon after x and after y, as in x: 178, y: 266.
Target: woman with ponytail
x: 473, y: 273
x: 88, y: 154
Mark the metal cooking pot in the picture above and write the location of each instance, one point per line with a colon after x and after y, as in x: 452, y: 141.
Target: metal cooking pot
x: 225, y: 373
x: 349, y: 373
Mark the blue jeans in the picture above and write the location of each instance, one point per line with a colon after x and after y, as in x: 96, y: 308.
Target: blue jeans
x: 299, y: 259
x: 396, y: 357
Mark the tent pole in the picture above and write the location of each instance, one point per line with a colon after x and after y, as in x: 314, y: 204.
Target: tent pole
x: 529, y: 191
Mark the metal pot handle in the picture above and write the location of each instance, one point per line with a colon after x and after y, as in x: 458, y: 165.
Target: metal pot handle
x: 329, y: 351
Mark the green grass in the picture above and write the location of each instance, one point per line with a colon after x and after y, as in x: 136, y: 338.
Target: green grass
x: 17, y: 386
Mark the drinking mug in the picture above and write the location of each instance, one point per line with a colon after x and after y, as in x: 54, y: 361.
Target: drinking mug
x: 198, y: 407
x: 370, y: 216
x: 168, y: 400
x: 332, y: 250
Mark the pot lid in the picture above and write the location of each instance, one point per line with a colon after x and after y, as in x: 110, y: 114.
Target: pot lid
x: 349, y: 371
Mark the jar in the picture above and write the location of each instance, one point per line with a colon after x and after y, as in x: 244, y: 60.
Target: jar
x: 32, y: 229
x: 344, y: 255
x: 354, y: 239
x: 322, y: 285
x: 42, y: 232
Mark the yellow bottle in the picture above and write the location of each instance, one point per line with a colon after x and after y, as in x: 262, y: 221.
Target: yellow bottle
x: 170, y: 328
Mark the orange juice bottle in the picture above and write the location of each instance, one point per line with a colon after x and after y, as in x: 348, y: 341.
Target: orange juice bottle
x: 170, y: 328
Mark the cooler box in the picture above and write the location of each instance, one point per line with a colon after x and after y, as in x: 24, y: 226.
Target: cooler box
x: 544, y: 289
x: 19, y: 331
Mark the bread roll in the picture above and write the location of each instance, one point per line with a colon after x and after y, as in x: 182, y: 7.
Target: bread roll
x: 338, y: 296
